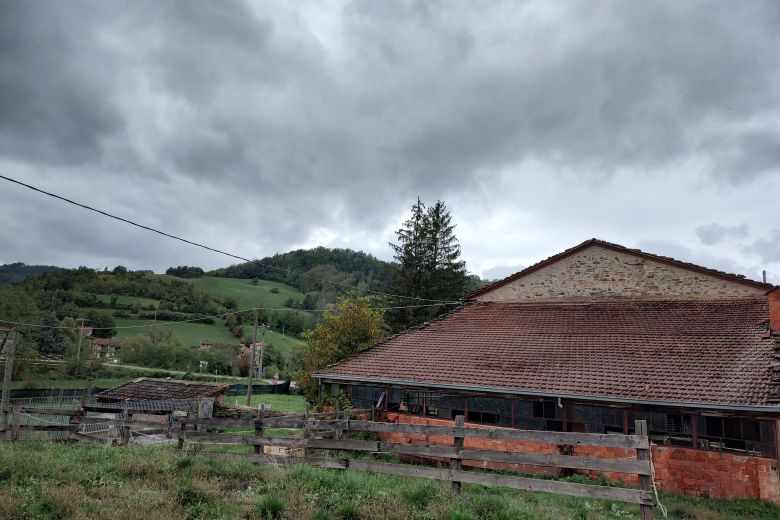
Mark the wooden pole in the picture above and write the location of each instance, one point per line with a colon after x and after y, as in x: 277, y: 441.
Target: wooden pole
x: 645, y: 481
x: 78, y: 351
x: 262, y: 349
x: 456, y: 464
x: 252, y: 362
x: 259, y: 430
x: 9, y: 367
x: 16, y: 424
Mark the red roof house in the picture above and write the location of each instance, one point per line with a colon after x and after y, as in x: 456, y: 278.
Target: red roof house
x: 590, y: 340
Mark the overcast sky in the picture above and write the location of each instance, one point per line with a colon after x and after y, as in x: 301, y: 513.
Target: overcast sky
x: 263, y: 127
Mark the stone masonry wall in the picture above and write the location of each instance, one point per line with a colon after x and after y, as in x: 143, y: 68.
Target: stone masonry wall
x: 699, y: 473
x: 600, y: 272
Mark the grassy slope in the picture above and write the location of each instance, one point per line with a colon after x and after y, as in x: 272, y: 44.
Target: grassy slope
x: 188, y: 334
x: 247, y: 295
x: 106, y: 298
x: 48, y: 480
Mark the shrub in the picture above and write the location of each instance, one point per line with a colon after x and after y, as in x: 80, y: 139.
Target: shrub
x: 349, y: 510
x: 268, y: 508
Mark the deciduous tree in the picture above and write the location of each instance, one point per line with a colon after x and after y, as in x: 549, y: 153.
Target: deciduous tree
x: 351, y: 327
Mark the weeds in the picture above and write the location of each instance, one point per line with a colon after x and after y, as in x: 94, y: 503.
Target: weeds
x: 47, y: 480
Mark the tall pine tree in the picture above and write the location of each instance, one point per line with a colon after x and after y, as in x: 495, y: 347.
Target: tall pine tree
x: 429, y: 265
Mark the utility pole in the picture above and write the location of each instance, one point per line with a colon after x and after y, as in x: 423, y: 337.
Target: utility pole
x: 262, y: 348
x: 78, y: 351
x: 9, y: 366
x: 252, y: 361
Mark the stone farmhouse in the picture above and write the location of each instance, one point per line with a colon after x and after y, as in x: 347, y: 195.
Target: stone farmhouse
x: 590, y: 340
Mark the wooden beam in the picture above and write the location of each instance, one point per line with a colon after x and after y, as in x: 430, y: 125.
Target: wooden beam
x: 575, y: 439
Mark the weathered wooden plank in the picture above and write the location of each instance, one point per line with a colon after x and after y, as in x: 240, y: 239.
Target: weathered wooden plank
x: 575, y: 439
x: 48, y: 427
x: 51, y: 411
x: 489, y: 479
x: 444, y: 452
x: 132, y: 423
x: 645, y: 481
x: 531, y: 459
x: 287, y: 442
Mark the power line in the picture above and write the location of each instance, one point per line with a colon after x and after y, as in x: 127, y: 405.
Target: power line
x: 203, y: 246
x: 196, y: 320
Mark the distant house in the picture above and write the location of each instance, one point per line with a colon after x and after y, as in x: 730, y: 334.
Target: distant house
x: 590, y: 340
x: 154, y: 389
x: 206, y: 344
x: 106, y: 348
x: 84, y: 331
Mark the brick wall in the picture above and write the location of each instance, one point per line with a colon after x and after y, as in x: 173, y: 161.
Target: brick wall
x: 774, y: 310
x: 682, y: 470
x: 600, y: 272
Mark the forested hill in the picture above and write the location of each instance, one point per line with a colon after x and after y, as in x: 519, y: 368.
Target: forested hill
x: 343, y: 266
x: 16, y: 272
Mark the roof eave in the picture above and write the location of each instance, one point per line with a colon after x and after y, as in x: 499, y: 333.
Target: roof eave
x: 562, y: 395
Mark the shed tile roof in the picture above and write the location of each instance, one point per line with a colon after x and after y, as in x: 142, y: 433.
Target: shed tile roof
x: 151, y: 389
x: 702, y: 351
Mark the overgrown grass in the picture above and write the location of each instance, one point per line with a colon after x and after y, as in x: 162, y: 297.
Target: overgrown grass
x: 47, y: 480
x: 284, y: 403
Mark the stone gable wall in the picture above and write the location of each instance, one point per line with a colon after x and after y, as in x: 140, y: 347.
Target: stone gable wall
x: 598, y: 272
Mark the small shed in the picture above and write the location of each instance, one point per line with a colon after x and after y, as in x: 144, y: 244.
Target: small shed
x: 155, y: 389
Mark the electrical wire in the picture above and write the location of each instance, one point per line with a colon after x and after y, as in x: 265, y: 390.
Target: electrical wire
x: 203, y: 246
x: 196, y: 320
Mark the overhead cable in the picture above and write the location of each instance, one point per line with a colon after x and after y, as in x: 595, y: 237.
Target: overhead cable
x: 209, y: 248
x: 196, y: 320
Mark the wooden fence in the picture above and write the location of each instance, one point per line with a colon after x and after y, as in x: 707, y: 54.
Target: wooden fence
x: 326, y: 436
x: 323, y: 444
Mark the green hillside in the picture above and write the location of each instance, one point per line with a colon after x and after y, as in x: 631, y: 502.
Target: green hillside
x: 246, y: 294
x: 188, y: 334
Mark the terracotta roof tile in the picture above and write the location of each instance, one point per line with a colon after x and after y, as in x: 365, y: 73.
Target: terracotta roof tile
x: 711, y: 351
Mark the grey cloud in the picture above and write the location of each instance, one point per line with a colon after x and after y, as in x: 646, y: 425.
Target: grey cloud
x: 501, y: 271
x: 241, y: 120
x: 714, y: 233
x: 768, y: 249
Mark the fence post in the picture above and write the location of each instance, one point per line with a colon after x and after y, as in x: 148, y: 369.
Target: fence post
x: 259, y: 430
x: 16, y: 424
x: 306, y: 431
x: 645, y: 481
x: 182, y: 434
x: 126, y: 433
x: 456, y: 464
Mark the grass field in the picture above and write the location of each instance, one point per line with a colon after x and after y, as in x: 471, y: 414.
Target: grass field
x: 69, y: 481
x: 279, y: 402
x: 247, y: 295
x: 188, y: 334
x: 127, y: 300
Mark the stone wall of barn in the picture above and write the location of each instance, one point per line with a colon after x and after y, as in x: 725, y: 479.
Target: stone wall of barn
x: 707, y: 474
x: 601, y: 272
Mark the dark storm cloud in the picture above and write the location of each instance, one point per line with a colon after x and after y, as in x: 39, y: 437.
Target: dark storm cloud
x: 714, y: 233
x: 267, y: 126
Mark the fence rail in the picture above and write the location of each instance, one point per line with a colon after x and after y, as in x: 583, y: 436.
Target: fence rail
x: 323, y: 444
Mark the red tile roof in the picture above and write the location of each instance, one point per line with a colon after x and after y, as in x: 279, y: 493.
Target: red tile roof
x: 701, y: 351
x: 738, y: 278
x: 150, y: 389
x: 106, y: 341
